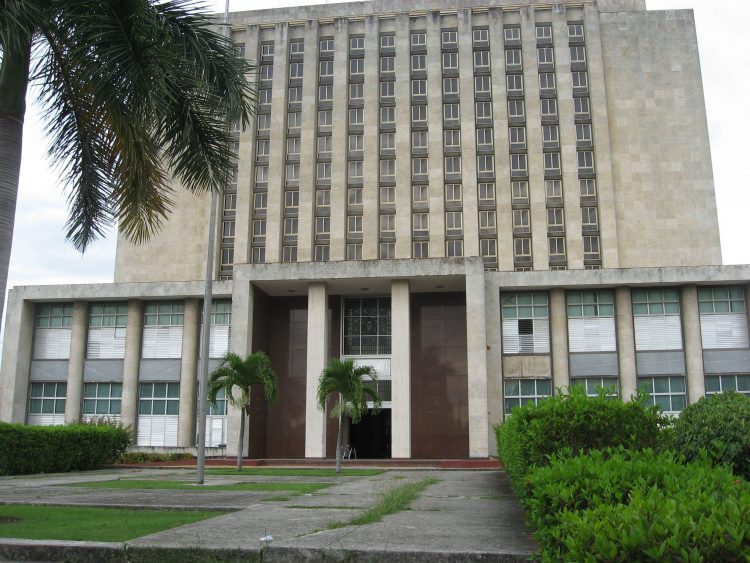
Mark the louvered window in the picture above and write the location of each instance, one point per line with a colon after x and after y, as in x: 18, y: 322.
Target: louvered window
x: 221, y: 327
x: 723, y: 317
x: 667, y: 392
x: 52, y: 334
x: 525, y: 323
x: 591, y: 321
x: 519, y: 392
x: 656, y: 317
x: 107, y: 325
x: 162, y: 330
x: 216, y: 421
x: 158, y: 407
x: 722, y: 383
x: 47, y: 403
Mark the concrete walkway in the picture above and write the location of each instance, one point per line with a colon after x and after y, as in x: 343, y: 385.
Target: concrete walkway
x: 466, y: 516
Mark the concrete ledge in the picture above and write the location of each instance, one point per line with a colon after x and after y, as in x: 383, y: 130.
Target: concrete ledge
x: 285, y: 554
x: 59, y: 550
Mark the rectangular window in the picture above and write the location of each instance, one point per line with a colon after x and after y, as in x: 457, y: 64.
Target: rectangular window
x: 590, y: 217
x: 420, y: 194
x: 723, y: 383
x: 387, y: 225
x: 513, y: 58
x: 388, y: 141
x: 101, y: 400
x: 296, y: 47
x: 547, y: 82
x: 266, y: 72
x: 518, y: 164
x: 387, y: 64
x: 367, y: 326
x: 484, y: 138
x: 480, y: 37
x: 594, y: 385
x: 264, y: 122
x: 230, y: 202
x: 453, y: 193
x: 488, y: 248
x: 587, y: 187
x: 551, y: 136
x: 452, y: 138
x: 292, y: 172
x: 481, y: 60
x: 264, y: 96
x: 419, y: 115
x: 356, y: 44
x: 158, y: 408
x: 418, y: 40
x: 516, y: 108
x: 387, y: 41
x: 575, y: 31
x: 486, y: 193
x: 454, y: 248
x: 356, y: 117
x: 388, y: 115
x: 521, y: 248
x: 322, y: 252
x: 107, y: 326
x: 295, y: 94
x: 450, y: 86
x: 525, y: 323
x: 520, y: 392
x: 451, y: 113
x: 580, y: 80
x: 552, y: 163
x: 591, y: 322
x: 585, y: 162
x: 323, y: 171
x: 583, y: 133
x: 420, y: 223
x: 556, y: 246
x: 555, y: 218
x: 354, y: 251
x: 578, y: 54
x: 512, y: 34
x: 325, y: 93
x: 454, y: 223
x: 322, y: 226
x: 656, y: 318
x: 261, y: 174
x: 356, y: 92
x: 482, y: 85
x: 667, y: 393
x: 47, y: 403
x: 450, y: 61
x: 545, y: 56
x: 548, y: 108
x: 485, y: 163
x: 266, y: 50
x: 387, y: 195
x: 419, y: 166
x: 419, y: 87
x: 258, y: 255
x: 419, y: 140
x: 388, y: 170
x: 521, y: 219
x: 259, y: 228
x: 483, y: 110
x: 418, y: 63
x: 517, y: 136
x: 387, y: 250
x: 723, y: 318
x: 322, y: 199
x: 356, y: 67
x: 325, y: 118
x: 449, y: 39
x: 354, y: 196
x: 291, y: 201
x: 515, y: 84
x: 296, y: 70
x: 420, y: 249
x: 487, y: 222
x: 581, y: 108
x: 53, y: 331
x: 519, y: 192
x: 326, y: 46
x: 387, y: 91
x: 294, y: 120
x: 162, y: 330
x: 544, y: 32
x: 453, y: 165
x: 591, y: 248
x: 292, y: 147
x: 354, y: 170
x: 354, y: 224
x: 325, y: 145
x: 289, y: 253
x: 356, y: 143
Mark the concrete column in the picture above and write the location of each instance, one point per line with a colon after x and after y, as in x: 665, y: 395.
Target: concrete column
x: 188, y: 373
x: 476, y: 358
x: 495, y: 406
x: 243, y: 295
x: 131, y: 364
x: 625, y: 342
x: 403, y: 139
x: 17, y: 345
x: 339, y: 138
x: 693, y: 345
x: 371, y: 160
x: 435, y: 136
x: 317, y: 354
x: 75, y: 362
x: 558, y: 319
x: 400, y: 370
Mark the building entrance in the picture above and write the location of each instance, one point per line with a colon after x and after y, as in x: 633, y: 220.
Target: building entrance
x: 371, y: 436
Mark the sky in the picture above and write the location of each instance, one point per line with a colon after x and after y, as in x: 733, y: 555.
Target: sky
x: 40, y: 254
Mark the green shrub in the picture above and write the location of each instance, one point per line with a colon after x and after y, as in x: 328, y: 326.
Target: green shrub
x: 573, y: 421
x: 153, y: 457
x: 718, y: 424
x: 46, y: 449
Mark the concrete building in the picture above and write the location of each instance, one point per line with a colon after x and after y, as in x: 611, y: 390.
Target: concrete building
x: 486, y: 200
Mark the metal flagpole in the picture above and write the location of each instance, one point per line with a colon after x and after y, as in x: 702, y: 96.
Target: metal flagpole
x: 205, y: 332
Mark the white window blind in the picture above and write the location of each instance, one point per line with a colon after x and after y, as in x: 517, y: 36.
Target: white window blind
x: 106, y: 342
x: 216, y: 431
x: 525, y: 336
x: 52, y: 344
x: 724, y: 330
x: 218, y: 342
x: 592, y: 334
x: 162, y: 341
x: 46, y: 419
x: 157, y: 430
x: 658, y: 332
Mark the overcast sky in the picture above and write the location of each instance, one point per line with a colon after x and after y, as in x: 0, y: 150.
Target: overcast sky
x: 41, y: 256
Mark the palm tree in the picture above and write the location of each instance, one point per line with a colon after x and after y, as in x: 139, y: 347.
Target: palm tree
x: 346, y: 379
x: 134, y: 92
x: 236, y: 375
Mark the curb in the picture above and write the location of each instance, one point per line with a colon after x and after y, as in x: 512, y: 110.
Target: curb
x: 59, y: 550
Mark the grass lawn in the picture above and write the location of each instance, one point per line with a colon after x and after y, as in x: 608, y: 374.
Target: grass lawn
x: 295, y: 472
x: 188, y: 486
x: 90, y: 524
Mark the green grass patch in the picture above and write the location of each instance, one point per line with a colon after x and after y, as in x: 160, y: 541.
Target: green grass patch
x: 187, y: 486
x: 90, y: 524
x: 295, y: 472
x: 390, y: 502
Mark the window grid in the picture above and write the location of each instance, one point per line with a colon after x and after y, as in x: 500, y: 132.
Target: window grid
x: 666, y: 392
x: 520, y: 392
x: 102, y: 399
x: 47, y: 398
x: 158, y: 398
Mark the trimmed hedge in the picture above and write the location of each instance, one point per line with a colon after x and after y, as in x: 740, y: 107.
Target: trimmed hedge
x: 576, y: 422
x: 46, y: 449
x: 152, y: 457
x: 637, y: 506
x: 718, y: 424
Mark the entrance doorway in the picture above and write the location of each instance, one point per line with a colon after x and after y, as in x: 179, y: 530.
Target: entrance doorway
x: 371, y: 436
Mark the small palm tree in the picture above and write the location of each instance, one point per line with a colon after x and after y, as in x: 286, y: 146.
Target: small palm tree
x: 236, y: 375
x: 346, y: 379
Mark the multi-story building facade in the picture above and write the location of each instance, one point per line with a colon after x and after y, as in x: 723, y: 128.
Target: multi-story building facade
x: 487, y: 201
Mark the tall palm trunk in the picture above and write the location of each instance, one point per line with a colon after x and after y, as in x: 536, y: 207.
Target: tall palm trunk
x: 339, y: 445
x: 243, y: 414
x: 14, y: 78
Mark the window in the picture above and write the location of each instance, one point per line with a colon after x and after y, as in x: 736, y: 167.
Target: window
x: 517, y: 136
x: 515, y: 108
x: 545, y: 56
x: 53, y: 331
x: 453, y: 193
x: 325, y: 145
x: 553, y: 189
x: 325, y: 93
x: 547, y: 82
x: 518, y: 165
x: 107, y: 326
x: 555, y: 218
x: 296, y: 70
x: 591, y: 322
x: 656, y: 318
x: 519, y: 192
x: 264, y: 122
x: 296, y: 47
x: 356, y: 117
x: 101, y: 399
x: 294, y: 120
x: 512, y: 34
x: 259, y: 228
x: 367, y: 326
x: 667, y: 393
x: 451, y: 113
x: 356, y: 143
x: 556, y: 246
x: 354, y: 196
x: 485, y: 163
x: 520, y: 392
x: 548, y: 108
x: 387, y: 41
x: 322, y: 252
x: 418, y: 63
x: 292, y: 172
x: 483, y: 110
x: 452, y: 138
x: 356, y: 92
x: 354, y: 170
x: 585, y: 162
x: 513, y: 59
x: 264, y: 96
x: 322, y: 226
x: 162, y: 330
x: 387, y: 91
x: 488, y: 247
x: 450, y: 61
x: 587, y: 187
x: 420, y: 249
x: 449, y: 39
x: 525, y: 323
x: 419, y: 140
x: 487, y: 222
x: 388, y: 170
x: 266, y: 50
x: 230, y: 202
x: 482, y: 85
x: 356, y: 67
x: 551, y: 136
x: 484, y: 138
x: 258, y: 255
x: 387, y: 64
x: 356, y: 44
x: 589, y: 217
x: 420, y: 194
x: 581, y: 107
x: 354, y: 224
x: 291, y: 201
x: 481, y: 60
x: 323, y: 199
x: 580, y: 80
x: 723, y: 383
x: 480, y: 37
x: 450, y: 86
x: 722, y: 317
x: 354, y: 251
x: 420, y: 223
x: 289, y: 253
x: 292, y: 146
x: 325, y: 118
x: 591, y: 248
x: 453, y: 223
x: 388, y: 115
x: 594, y: 385
x: 575, y: 31
x: 387, y: 195
x: 454, y: 248
x: 418, y: 40
x: 326, y: 46
x: 418, y: 115
x: 552, y: 163
x: 419, y: 87
x: 387, y: 225
x: 419, y: 166
x: 266, y: 72
x: 158, y: 399
x: 323, y: 171
x: 578, y: 54
x: 261, y: 174
x: 295, y: 94
x: 515, y: 84
x: 521, y: 248
x: 521, y: 219
x: 453, y: 165
x: 544, y: 32
x: 47, y: 403
x: 387, y: 250
x: 583, y: 133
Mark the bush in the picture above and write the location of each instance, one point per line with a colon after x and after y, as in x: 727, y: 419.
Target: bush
x: 46, y: 449
x: 718, y: 424
x: 153, y: 457
x: 635, y: 506
x: 575, y: 422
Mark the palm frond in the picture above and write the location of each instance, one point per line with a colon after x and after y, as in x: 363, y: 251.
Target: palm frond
x: 353, y: 383
x: 236, y: 375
